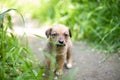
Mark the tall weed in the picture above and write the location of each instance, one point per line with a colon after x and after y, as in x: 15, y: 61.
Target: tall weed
x: 16, y: 60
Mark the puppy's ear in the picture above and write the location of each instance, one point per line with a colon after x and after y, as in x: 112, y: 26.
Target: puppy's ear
x: 48, y: 32
x: 70, y: 33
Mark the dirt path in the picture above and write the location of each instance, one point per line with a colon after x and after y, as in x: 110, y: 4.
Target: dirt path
x: 86, y: 62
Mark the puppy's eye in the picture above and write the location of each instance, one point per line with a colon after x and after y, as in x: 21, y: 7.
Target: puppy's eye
x: 54, y: 35
x: 66, y: 35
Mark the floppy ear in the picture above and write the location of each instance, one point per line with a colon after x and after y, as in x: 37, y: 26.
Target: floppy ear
x: 70, y: 33
x: 48, y: 32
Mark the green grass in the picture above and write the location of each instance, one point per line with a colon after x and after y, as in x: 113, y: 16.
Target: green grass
x: 16, y: 60
x: 97, y: 22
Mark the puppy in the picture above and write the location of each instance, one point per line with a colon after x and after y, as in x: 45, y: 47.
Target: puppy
x: 60, y: 45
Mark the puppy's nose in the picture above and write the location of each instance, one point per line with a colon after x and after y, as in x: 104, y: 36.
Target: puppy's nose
x: 61, y: 41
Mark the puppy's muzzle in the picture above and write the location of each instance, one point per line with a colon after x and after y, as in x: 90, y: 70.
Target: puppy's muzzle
x: 60, y: 43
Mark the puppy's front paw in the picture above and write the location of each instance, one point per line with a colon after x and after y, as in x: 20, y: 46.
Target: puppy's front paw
x: 59, y: 72
x: 43, y: 75
x: 55, y: 78
x: 68, y: 65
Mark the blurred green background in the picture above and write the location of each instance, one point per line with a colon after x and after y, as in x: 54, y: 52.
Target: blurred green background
x: 94, y: 21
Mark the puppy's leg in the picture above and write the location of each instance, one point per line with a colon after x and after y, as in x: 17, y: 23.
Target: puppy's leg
x: 48, y: 62
x: 47, y: 66
x: 68, y: 58
x: 60, y: 61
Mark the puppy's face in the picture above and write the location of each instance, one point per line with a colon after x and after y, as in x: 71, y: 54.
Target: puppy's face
x: 59, y: 35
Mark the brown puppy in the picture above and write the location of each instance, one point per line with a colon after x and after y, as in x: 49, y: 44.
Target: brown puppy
x: 59, y: 45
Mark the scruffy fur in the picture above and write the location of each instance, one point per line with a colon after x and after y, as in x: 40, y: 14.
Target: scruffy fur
x: 60, y: 45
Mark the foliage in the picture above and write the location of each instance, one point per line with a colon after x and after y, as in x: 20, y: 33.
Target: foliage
x: 97, y: 21
x: 16, y: 60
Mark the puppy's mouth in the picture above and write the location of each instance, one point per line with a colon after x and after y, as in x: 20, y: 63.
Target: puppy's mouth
x: 58, y: 44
